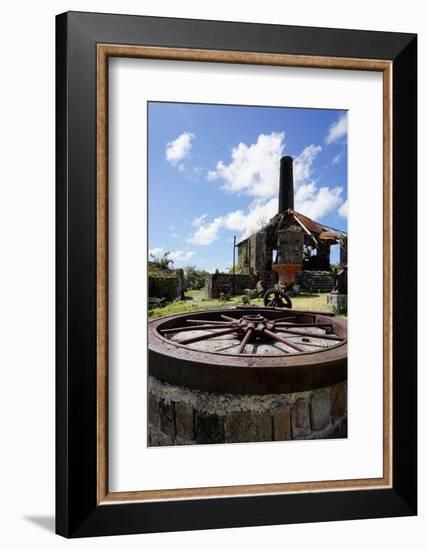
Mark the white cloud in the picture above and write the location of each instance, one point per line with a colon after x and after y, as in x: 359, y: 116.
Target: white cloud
x: 181, y: 255
x: 302, y: 165
x: 253, y: 169
x: 199, y: 221
x: 309, y: 200
x: 175, y: 256
x: 338, y: 158
x: 206, y: 233
x: 175, y: 235
x: 338, y: 130
x: 178, y: 149
x: 316, y: 203
x: 257, y: 215
x: 343, y: 210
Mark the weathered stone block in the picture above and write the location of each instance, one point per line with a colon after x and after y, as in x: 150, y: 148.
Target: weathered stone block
x: 300, y: 418
x: 158, y: 439
x: 151, y: 431
x: 209, y: 428
x: 153, y: 410
x: 290, y: 245
x: 320, y: 409
x: 338, y: 401
x: 282, y: 424
x: 166, y: 418
x: 164, y: 440
x: 340, y: 430
x: 248, y: 426
x: 184, y: 421
x: 181, y: 441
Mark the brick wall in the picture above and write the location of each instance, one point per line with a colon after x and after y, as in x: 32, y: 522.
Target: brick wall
x: 181, y: 416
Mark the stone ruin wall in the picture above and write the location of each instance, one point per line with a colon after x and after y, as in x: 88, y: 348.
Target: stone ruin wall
x: 182, y: 416
x: 217, y: 282
x: 166, y: 284
x: 290, y: 246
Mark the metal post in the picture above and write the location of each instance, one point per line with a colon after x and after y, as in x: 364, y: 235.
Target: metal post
x: 233, y: 266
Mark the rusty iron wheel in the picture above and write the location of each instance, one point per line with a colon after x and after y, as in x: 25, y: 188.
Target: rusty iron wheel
x: 277, y: 297
x: 264, y: 350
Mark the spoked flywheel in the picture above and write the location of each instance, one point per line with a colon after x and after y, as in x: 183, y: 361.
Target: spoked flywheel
x: 277, y: 297
x: 257, y: 351
x: 254, y: 334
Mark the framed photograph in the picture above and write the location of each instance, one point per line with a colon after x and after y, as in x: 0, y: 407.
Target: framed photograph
x: 236, y: 274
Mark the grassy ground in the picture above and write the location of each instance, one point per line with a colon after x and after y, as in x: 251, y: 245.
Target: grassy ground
x: 196, y: 300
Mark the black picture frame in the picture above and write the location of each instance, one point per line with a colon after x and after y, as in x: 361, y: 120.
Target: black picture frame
x: 77, y: 512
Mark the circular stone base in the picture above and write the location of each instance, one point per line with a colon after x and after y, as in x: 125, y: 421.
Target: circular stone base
x: 184, y: 416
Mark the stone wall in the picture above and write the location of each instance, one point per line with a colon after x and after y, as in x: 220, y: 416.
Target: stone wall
x: 290, y: 245
x: 258, y: 252
x: 223, y: 282
x: 315, y: 281
x: 182, y: 416
x: 255, y: 254
x: 166, y: 284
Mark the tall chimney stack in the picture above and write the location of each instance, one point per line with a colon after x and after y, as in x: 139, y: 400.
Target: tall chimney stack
x: 286, y: 185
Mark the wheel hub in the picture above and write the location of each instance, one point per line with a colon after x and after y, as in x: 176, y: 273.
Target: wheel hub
x: 256, y: 325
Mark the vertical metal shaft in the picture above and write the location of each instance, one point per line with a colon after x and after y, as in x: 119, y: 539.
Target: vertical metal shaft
x: 233, y: 266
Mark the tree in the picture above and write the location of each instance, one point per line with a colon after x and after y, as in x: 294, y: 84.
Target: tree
x: 161, y: 262
x: 195, y: 278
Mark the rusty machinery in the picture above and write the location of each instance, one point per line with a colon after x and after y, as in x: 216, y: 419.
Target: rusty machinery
x: 249, y: 350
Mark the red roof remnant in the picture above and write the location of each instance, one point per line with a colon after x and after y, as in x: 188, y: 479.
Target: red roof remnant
x: 313, y: 226
x: 318, y: 230
x: 330, y: 235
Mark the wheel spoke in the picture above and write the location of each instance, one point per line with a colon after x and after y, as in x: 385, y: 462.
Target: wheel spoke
x: 310, y: 335
x: 199, y: 327
x: 288, y: 317
x: 207, y: 336
x: 245, y: 340
x: 204, y: 321
x: 284, y: 341
x: 305, y: 325
x: 232, y: 319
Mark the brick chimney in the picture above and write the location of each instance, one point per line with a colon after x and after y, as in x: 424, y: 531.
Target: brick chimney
x: 286, y: 185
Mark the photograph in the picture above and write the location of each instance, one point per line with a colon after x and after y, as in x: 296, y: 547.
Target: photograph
x: 212, y: 244
x: 247, y: 273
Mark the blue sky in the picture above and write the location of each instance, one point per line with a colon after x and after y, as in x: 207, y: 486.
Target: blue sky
x: 213, y: 173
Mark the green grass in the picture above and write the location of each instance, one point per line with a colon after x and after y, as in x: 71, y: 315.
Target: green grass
x: 309, y: 302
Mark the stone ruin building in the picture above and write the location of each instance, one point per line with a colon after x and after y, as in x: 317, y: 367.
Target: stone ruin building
x: 290, y: 248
